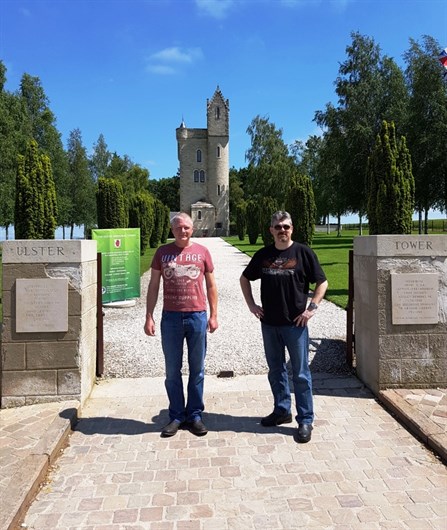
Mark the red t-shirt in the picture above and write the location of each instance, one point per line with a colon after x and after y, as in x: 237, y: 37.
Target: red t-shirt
x: 183, y: 272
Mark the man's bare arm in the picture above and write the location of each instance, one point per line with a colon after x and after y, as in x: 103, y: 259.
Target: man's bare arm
x: 211, y: 292
x: 151, y: 301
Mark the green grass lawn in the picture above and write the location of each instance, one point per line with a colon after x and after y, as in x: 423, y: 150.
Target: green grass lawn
x: 333, y: 254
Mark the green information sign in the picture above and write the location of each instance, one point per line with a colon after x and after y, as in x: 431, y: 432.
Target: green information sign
x: 120, y: 249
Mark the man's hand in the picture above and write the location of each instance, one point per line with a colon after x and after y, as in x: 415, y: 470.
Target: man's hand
x: 256, y: 310
x: 303, y: 319
x: 212, y: 324
x: 149, y: 326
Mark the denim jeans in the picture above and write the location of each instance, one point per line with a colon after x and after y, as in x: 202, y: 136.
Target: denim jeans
x: 177, y: 326
x: 296, y: 340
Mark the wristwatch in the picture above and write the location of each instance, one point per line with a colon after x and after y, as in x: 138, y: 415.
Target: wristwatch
x: 312, y: 307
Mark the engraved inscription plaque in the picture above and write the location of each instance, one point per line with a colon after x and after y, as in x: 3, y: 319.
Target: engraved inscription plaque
x: 41, y: 305
x: 414, y: 298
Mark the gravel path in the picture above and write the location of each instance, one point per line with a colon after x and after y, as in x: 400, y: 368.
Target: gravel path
x: 236, y: 345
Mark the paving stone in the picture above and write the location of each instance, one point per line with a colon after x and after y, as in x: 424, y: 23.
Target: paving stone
x: 362, y: 469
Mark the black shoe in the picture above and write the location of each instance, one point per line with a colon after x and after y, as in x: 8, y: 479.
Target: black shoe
x: 198, y: 428
x: 274, y: 419
x: 170, y: 429
x: 303, y: 433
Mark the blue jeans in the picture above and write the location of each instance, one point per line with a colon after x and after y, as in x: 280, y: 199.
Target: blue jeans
x: 296, y: 340
x: 177, y: 326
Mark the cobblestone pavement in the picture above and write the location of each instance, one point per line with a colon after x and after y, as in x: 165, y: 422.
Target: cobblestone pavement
x: 362, y: 468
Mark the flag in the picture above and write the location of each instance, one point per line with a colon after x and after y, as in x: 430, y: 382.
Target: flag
x: 443, y: 58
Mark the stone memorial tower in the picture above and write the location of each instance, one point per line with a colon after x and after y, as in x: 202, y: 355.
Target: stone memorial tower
x: 204, y: 170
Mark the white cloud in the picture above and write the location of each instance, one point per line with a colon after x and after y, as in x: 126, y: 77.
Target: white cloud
x: 176, y: 55
x: 160, y: 69
x: 214, y: 8
x: 164, y: 61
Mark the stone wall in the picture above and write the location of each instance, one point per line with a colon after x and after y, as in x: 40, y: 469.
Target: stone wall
x: 401, y: 334
x: 48, y: 356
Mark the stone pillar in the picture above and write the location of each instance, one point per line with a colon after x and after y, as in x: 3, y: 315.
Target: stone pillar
x: 49, y: 321
x: 400, y: 303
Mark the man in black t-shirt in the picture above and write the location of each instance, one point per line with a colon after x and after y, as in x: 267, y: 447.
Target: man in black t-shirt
x: 286, y: 269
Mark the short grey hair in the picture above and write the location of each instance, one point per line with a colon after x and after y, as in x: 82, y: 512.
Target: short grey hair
x: 281, y: 216
x: 181, y: 216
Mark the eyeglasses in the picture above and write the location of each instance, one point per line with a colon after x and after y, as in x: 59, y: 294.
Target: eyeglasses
x: 282, y: 227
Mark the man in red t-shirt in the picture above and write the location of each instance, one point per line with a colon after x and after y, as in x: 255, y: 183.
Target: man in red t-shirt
x: 183, y: 265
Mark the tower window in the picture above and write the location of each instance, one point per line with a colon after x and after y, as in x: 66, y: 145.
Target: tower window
x: 202, y: 176
x: 217, y: 113
x: 199, y: 155
x: 218, y: 151
x: 199, y: 214
x: 218, y: 189
x: 196, y: 175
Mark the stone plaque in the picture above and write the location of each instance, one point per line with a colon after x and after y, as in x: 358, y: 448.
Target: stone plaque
x: 41, y: 305
x: 414, y: 298
x: 48, y: 251
x: 400, y: 245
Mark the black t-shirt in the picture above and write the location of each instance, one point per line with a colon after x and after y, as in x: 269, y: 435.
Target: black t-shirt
x: 285, y: 277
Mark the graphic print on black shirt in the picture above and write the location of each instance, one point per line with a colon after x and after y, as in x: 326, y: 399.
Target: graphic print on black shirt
x: 279, y: 265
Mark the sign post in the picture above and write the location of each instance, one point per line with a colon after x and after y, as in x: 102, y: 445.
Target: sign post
x: 120, y: 249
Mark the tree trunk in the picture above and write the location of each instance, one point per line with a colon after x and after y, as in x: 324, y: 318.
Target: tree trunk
x: 338, y: 225
x: 420, y: 221
x: 7, y: 232
x: 426, y: 221
x: 71, y: 230
x: 360, y: 224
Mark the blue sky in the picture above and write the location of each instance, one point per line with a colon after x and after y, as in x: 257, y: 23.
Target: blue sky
x: 131, y: 69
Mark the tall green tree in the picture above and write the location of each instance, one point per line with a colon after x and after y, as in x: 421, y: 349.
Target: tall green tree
x: 269, y: 163
x: 82, y: 209
x: 137, y: 179
x: 166, y: 224
x: 111, y: 207
x: 391, y: 184
x: 42, y: 128
x: 310, y: 160
x: 267, y: 207
x: 427, y: 125
x: 241, y: 220
x: 133, y: 178
x: 237, y: 179
x: 118, y: 167
x: 300, y: 203
x: 159, y: 223
x: 100, y: 159
x: 50, y: 200
x: 142, y: 216
x: 35, y: 204
x: 167, y: 190
x: 369, y: 87
x: 14, y: 131
x: 253, y: 221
